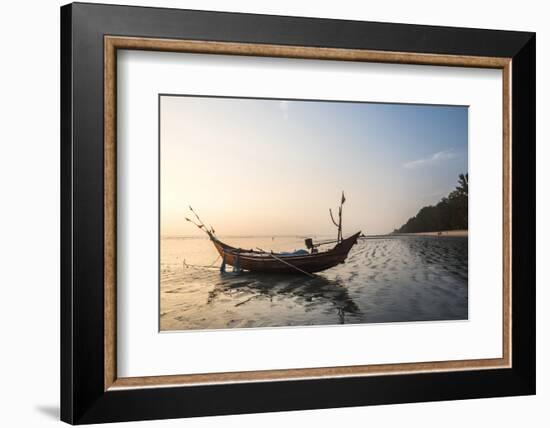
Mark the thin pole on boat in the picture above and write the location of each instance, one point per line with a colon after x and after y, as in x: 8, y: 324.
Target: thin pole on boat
x: 339, y: 224
x: 286, y: 263
x: 336, y: 224
x: 340, y: 216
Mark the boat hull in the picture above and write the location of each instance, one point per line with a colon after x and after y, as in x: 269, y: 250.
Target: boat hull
x: 263, y: 262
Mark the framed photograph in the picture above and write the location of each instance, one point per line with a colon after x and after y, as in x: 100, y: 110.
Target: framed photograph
x: 265, y: 213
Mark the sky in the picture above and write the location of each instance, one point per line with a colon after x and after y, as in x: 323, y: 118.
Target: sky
x: 255, y: 167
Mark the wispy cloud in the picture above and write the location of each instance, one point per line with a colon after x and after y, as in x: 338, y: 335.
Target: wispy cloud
x: 434, y: 159
x: 284, y: 105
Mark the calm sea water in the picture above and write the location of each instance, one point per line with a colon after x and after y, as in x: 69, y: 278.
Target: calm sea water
x: 395, y: 279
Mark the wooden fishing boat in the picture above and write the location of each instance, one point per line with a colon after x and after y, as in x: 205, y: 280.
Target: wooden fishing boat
x: 303, y: 261
x: 262, y: 261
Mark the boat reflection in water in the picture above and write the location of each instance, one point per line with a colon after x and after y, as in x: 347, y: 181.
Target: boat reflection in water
x: 309, y: 293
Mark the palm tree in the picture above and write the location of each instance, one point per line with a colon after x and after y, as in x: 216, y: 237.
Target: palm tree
x: 450, y: 213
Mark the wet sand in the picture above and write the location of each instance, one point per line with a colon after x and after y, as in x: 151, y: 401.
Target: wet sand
x: 393, y: 279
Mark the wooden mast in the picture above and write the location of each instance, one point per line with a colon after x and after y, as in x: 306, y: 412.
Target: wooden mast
x: 339, y: 224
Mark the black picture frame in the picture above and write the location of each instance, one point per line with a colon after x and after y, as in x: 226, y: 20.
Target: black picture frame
x: 83, y: 398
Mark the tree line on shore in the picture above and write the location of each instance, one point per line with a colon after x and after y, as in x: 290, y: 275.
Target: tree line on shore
x: 451, y: 213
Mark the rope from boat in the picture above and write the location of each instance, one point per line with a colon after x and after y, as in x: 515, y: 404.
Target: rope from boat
x: 210, y: 266
x: 287, y: 263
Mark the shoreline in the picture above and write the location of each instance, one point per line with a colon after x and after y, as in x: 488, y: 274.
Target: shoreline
x: 454, y: 233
